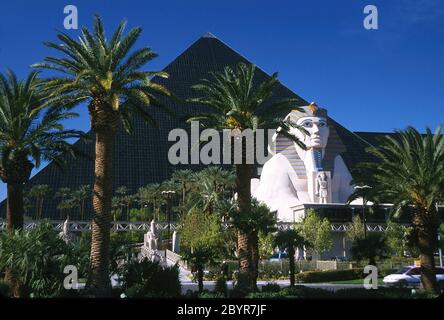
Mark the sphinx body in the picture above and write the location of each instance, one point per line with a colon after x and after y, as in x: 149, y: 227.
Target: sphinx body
x: 294, y: 176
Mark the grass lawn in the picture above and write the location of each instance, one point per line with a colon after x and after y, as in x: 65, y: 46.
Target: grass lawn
x: 355, y: 281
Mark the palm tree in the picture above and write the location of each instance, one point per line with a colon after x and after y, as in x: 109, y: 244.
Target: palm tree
x: 184, y: 179
x: 39, y: 192
x: 28, y: 135
x: 129, y: 200
x: 289, y: 240
x: 116, y: 208
x: 236, y: 103
x: 199, y: 257
x: 152, y: 193
x: 107, y: 75
x: 410, y: 174
x: 79, y: 196
x: 259, y: 220
x: 64, y: 194
x: 121, y: 193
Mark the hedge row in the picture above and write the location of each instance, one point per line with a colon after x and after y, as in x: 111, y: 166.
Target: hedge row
x: 294, y: 292
x: 355, y: 293
x: 330, y: 275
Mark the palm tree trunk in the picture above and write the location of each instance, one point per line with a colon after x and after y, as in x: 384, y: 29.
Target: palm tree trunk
x: 243, y: 252
x: 243, y: 187
x: 254, y: 250
x: 41, y: 208
x: 14, y: 206
x: 36, y: 208
x: 99, y: 281
x: 291, y: 265
x: 14, y: 218
x: 426, y: 237
x: 200, y: 274
x: 82, y: 209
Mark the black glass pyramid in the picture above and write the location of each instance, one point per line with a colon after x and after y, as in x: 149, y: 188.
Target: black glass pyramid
x: 141, y: 158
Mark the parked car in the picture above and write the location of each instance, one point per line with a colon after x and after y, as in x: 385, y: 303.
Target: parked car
x: 277, y: 257
x: 411, y: 276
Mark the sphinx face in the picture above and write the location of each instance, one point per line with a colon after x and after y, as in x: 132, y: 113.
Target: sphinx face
x: 317, y: 128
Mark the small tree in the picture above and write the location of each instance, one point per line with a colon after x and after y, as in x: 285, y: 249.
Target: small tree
x: 200, y: 234
x: 290, y: 240
x: 355, y: 229
x: 316, y: 232
x: 372, y: 247
x: 266, y: 245
x: 258, y: 220
x: 398, y: 238
x: 199, y: 257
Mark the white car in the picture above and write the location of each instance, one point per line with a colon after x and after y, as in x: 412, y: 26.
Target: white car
x: 411, y: 276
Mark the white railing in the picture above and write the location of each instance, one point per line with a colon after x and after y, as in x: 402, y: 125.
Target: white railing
x: 144, y: 226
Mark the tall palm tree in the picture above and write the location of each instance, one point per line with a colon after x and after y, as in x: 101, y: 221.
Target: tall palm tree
x: 184, y: 179
x: 121, y: 193
x: 28, y: 134
x: 259, y: 220
x: 108, y: 76
x: 80, y: 196
x: 289, y: 240
x: 39, y: 192
x: 212, y: 189
x: 151, y: 194
x: 410, y: 174
x: 64, y: 194
x: 235, y: 102
x: 129, y: 200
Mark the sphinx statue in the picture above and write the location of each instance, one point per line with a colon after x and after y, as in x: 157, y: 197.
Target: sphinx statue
x: 296, y: 175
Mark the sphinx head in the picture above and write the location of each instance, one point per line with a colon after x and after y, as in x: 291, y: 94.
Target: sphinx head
x: 314, y: 121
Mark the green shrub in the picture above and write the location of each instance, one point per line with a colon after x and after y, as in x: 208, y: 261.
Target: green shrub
x: 307, y: 292
x: 211, y: 295
x: 267, y: 295
x: 292, y: 293
x: 380, y: 293
x: 271, y: 287
x: 149, y: 279
x: 221, y: 286
x: 302, y: 292
x: 330, y: 275
x: 37, y: 257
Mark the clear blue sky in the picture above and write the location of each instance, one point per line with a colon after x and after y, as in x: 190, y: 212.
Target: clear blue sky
x: 374, y: 80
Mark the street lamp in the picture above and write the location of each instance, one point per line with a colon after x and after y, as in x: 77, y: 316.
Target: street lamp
x: 169, y: 194
x: 363, y: 207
